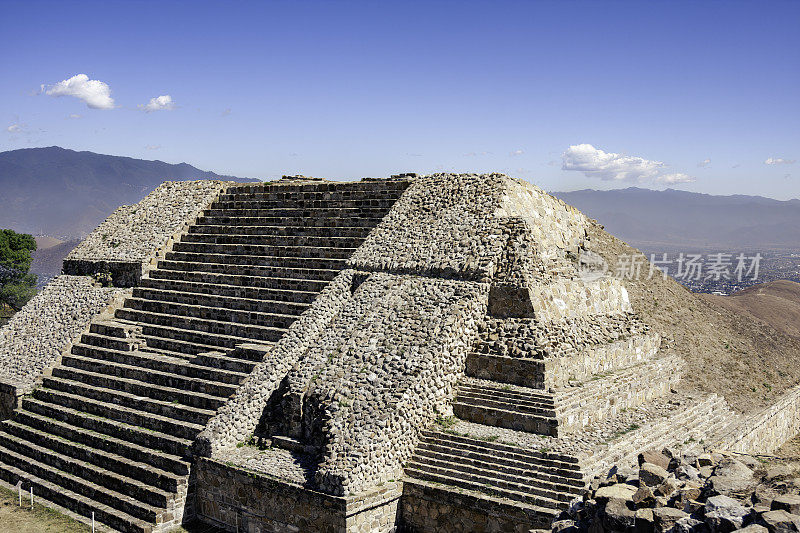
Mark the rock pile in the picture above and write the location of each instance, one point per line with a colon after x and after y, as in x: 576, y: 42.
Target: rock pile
x: 682, y: 493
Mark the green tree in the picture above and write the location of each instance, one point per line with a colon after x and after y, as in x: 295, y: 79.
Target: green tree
x: 17, y: 285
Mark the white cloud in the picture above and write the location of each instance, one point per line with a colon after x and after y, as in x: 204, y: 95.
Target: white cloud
x: 95, y: 93
x: 515, y: 153
x: 609, y: 166
x: 676, y: 177
x: 74, y: 116
x: 159, y: 103
x: 704, y: 163
x: 778, y: 161
x: 14, y: 128
x: 153, y: 147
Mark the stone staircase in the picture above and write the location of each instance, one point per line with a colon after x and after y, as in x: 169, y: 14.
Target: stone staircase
x: 506, y: 386
x: 536, y: 484
x: 110, y: 431
x: 503, y: 405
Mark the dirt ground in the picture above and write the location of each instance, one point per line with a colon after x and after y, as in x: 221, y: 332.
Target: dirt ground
x: 743, y: 359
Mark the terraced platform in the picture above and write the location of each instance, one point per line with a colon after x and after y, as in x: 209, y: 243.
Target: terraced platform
x: 111, y: 430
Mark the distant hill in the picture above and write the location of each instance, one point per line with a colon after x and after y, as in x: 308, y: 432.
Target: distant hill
x: 48, y: 258
x: 65, y: 194
x: 777, y: 303
x: 671, y: 218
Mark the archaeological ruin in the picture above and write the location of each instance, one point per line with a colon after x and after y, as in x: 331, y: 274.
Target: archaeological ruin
x: 416, y: 353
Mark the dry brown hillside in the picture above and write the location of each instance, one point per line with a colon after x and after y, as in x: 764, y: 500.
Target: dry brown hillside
x: 777, y: 303
x: 744, y: 359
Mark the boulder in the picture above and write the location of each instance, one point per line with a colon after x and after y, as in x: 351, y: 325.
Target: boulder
x: 563, y: 526
x: 731, y: 467
x: 688, y: 524
x: 644, y: 521
x: 789, y: 503
x: 655, y: 458
x: 687, y: 473
x: 724, y: 514
x: 667, y: 488
x: 652, y: 475
x: 665, y: 517
x: 754, y: 528
x: 617, y: 516
x: 619, y: 491
x: 644, y: 497
x: 780, y: 521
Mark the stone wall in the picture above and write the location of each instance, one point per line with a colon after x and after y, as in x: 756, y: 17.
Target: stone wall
x: 236, y: 421
x: 606, y: 396
x: 767, y: 430
x: 443, y: 225
x: 381, y: 374
x: 569, y: 298
x: 129, y: 240
x: 428, y: 509
x: 598, y: 359
x: 236, y: 499
x: 34, y: 339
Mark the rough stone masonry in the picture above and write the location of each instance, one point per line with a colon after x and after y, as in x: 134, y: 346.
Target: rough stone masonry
x: 418, y: 353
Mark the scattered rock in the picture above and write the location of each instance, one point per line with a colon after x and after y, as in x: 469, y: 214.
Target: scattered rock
x: 724, y: 514
x: 788, y: 502
x: 780, y: 521
x: 652, y: 475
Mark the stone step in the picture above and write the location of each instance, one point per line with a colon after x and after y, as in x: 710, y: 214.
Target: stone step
x: 309, y: 213
x: 52, y: 460
x: 238, y: 317
x: 311, y: 286
x: 189, y: 398
x: 305, y: 203
x: 236, y: 303
x: 267, y: 251
x: 251, y: 275
x: 156, y: 369
x: 506, y: 418
x: 543, y: 477
x: 274, y: 241
x: 355, y: 232
x: 565, y: 462
x: 218, y: 360
x: 281, y: 264
x: 101, y: 495
x: 282, y: 189
x: 127, y: 415
x: 145, y: 404
x: 438, y: 445
x: 157, y: 440
x: 189, y: 341
x: 484, y: 485
x: 216, y: 327
x: 306, y: 198
x: 115, y: 343
x: 77, y: 503
x: 227, y: 219
x: 166, y: 467
x: 486, y: 475
x: 524, y: 399
x: 228, y: 291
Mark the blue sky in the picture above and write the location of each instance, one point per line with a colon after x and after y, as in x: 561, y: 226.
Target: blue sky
x: 569, y: 94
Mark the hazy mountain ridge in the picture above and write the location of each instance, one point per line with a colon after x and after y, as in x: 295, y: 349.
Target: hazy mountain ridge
x: 681, y: 219
x: 66, y: 194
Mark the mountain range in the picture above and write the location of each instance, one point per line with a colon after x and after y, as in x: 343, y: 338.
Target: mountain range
x: 66, y: 194
x: 671, y: 219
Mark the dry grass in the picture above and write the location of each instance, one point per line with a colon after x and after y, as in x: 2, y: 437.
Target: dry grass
x: 744, y: 359
x: 39, y: 520
x: 16, y: 519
